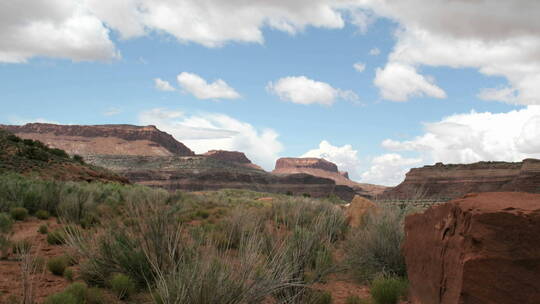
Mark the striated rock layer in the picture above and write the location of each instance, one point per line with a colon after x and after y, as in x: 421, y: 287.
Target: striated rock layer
x: 323, y: 168
x: 232, y: 156
x: 484, y: 248
x: 450, y: 181
x: 103, y: 139
x: 198, y: 173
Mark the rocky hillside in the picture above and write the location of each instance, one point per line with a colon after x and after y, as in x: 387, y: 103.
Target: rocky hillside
x: 232, y: 156
x: 198, y: 173
x: 31, y: 157
x: 103, y: 139
x: 323, y: 168
x: 451, y: 181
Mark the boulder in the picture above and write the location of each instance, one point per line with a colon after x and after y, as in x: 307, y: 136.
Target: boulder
x: 483, y: 248
x: 357, y: 209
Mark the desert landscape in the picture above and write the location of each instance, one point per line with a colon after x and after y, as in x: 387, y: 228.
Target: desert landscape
x: 269, y: 152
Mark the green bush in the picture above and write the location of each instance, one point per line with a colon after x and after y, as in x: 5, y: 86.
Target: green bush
x: 78, y: 291
x: 375, y: 248
x: 42, y: 214
x: 61, y: 298
x: 355, y: 300
x: 57, y: 265
x: 320, y: 297
x: 68, y: 274
x: 388, y: 290
x: 6, y: 223
x: 94, y: 296
x: 56, y: 237
x: 43, y: 229
x: 122, y: 285
x: 19, y: 213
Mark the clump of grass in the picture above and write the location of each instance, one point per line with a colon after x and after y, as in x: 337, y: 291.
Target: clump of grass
x: 375, y: 248
x: 57, y: 265
x: 21, y: 247
x: 94, y: 296
x: 355, y: 300
x: 43, y: 229
x: 6, y: 223
x: 56, y: 237
x: 61, y: 298
x: 19, y: 213
x: 68, y: 274
x: 78, y: 290
x: 77, y: 293
x: 319, y: 297
x: 122, y: 286
x: 388, y: 290
x: 42, y: 214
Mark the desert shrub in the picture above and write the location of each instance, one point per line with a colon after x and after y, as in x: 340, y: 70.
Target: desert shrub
x: 78, y: 290
x: 68, y: 274
x: 56, y: 237
x: 319, y: 297
x: 354, y: 300
x: 21, y: 247
x: 38, y: 264
x: 57, y: 265
x: 61, y: 298
x: 59, y: 152
x: 122, y: 286
x: 375, y: 248
x: 42, y: 214
x: 19, y: 213
x: 388, y: 290
x: 94, y: 296
x: 43, y: 229
x: 6, y: 223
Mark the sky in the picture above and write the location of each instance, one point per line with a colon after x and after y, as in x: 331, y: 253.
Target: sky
x: 376, y: 86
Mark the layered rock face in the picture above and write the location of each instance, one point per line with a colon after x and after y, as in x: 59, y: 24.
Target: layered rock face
x: 484, y: 248
x: 450, y: 181
x: 232, y: 156
x: 198, y: 173
x: 323, y: 168
x: 103, y: 139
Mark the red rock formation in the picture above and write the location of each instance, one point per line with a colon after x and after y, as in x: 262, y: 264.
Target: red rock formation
x: 103, y: 139
x: 323, y: 168
x: 484, y: 248
x: 451, y: 181
x: 232, y: 156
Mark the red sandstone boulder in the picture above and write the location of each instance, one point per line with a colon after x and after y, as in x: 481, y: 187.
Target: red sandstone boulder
x: 484, y: 248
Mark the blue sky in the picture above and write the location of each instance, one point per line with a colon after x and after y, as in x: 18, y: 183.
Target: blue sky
x: 428, y: 95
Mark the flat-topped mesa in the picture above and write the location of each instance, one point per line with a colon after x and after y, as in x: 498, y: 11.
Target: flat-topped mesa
x: 308, y: 163
x: 232, y: 156
x: 449, y: 181
x: 103, y: 139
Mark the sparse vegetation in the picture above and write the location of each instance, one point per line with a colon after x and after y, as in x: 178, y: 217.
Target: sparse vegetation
x: 388, y: 290
x: 19, y: 213
x: 43, y: 229
x: 42, y: 214
x: 56, y: 237
x: 122, y: 286
x: 57, y: 265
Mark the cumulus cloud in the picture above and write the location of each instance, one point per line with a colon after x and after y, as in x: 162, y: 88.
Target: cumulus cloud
x: 302, y: 90
x: 163, y: 85
x: 472, y: 137
x: 499, y: 38
x: 200, y: 88
x: 53, y: 28
x: 359, y: 66
x: 389, y: 169
x: 209, y: 131
x: 345, y: 157
x: 399, y: 82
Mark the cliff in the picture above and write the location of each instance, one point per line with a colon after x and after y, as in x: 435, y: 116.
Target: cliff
x: 232, y: 156
x: 325, y: 169
x: 198, y: 173
x: 451, y: 181
x: 103, y: 139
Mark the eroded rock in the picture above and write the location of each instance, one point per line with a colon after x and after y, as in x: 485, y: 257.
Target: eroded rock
x: 484, y: 248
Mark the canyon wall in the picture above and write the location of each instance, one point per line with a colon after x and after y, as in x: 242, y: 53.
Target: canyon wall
x: 451, y: 181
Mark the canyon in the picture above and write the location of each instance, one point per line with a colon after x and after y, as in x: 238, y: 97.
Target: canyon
x: 450, y: 181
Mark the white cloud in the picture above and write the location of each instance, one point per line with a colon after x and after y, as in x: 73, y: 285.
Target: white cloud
x: 399, y: 82
x: 374, y: 52
x: 359, y: 66
x: 200, y: 88
x: 205, y: 132
x: 53, y: 28
x: 345, y: 157
x: 499, y: 38
x: 302, y: 90
x: 389, y: 169
x: 163, y: 85
x: 472, y: 137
